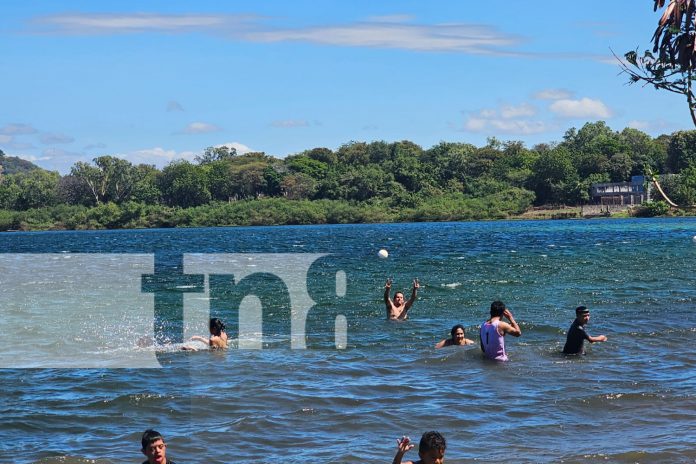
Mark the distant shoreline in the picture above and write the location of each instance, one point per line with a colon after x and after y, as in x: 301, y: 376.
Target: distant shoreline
x: 283, y: 212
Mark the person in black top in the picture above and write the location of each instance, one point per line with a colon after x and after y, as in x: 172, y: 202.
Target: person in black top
x: 577, y: 333
x: 154, y: 448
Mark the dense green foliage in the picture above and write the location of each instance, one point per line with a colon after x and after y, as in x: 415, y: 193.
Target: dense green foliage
x: 652, y: 209
x: 358, y: 182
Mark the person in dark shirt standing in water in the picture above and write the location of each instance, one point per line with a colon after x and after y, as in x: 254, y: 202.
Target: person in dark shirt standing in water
x: 577, y: 333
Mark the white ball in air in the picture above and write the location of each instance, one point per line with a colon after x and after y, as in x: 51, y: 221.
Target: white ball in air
x: 383, y: 253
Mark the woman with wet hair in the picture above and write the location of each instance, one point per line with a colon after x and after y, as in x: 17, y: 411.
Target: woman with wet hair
x: 217, y: 339
x: 458, y: 338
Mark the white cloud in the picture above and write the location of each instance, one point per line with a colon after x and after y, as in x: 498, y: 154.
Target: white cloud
x: 53, y: 139
x: 658, y: 125
x: 289, y: 123
x: 583, y: 108
x: 476, y: 124
x: 387, y: 31
x: 100, y: 24
x: 5, y: 138
x: 200, y: 128
x: 463, y: 38
x: 506, y: 126
x: 17, y: 129
x: 157, y: 156
x: 34, y: 159
x: 524, y: 110
x: 607, y: 59
x: 641, y: 125
x: 240, y: 147
x: 553, y: 94
x: 161, y: 157
x: 51, y: 159
x: 507, y: 119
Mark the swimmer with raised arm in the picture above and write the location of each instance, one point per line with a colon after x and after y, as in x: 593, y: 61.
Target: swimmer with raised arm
x: 458, y: 338
x: 217, y: 339
x: 431, y: 449
x: 397, y: 309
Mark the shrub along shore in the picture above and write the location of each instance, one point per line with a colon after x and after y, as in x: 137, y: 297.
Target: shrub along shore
x: 266, y: 211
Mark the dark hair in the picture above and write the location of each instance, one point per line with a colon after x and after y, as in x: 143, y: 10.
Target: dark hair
x: 454, y: 329
x: 149, y: 437
x: 216, y: 326
x: 431, y: 440
x: 497, y: 308
x: 581, y: 310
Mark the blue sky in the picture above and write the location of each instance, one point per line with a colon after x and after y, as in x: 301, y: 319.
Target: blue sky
x: 162, y: 80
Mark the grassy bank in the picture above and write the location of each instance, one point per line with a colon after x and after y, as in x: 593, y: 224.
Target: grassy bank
x: 267, y: 211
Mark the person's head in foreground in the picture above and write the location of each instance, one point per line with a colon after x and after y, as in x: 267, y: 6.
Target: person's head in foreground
x: 582, y: 314
x: 154, y: 447
x: 431, y: 448
x: 497, y: 309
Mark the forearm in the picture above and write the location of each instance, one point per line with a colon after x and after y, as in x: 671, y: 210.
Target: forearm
x: 516, y: 331
x: 398, y: 457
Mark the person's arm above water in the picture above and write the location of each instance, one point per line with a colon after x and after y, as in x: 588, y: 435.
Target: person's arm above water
x: 389, y: 304
x: 443, y: 343
x: 403, y: 446
x: 590, y: 338
x: 200, y: 339
x: 513, y: 327
x: 387, y: 289
x: 414, y: 295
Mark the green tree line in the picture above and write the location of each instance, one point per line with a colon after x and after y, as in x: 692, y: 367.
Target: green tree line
x: 358, y: 182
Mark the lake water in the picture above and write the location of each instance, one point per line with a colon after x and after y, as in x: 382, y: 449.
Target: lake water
x: 316, y: 374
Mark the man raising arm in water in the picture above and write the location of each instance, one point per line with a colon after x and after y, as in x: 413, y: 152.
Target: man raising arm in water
x: 398, y: 309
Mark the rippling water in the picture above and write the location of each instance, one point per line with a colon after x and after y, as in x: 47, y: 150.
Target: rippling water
x: 631, y: 399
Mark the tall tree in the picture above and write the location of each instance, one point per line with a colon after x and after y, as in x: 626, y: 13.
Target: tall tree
x: 183, y: 184
x: 555, y: 179
x: 110, y: 179
x: 211, y: 154
x: 681, y: 152
x: 671, y: 64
